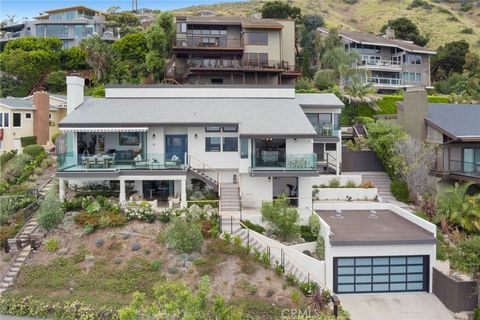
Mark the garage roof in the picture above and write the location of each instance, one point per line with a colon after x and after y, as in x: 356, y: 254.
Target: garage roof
x: 356, y: 228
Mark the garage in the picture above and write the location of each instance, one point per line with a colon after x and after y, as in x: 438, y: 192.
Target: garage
x: 381, y: 274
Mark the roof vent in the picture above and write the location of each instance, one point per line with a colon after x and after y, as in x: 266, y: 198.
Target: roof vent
x: 338, y: 214
x: 372, y: 215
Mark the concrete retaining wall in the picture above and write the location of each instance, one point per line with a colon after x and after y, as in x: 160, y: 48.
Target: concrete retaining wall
x: 456, y: 295
x: 346, y: 194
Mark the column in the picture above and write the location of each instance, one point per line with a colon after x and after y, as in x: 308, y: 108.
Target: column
x: 122, y: 197
x: 139, y: 186
x: 183, y: 196
x: 61, y: 188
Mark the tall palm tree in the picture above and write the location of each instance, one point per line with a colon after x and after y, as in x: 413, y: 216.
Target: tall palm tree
x: 457, y: 208
x: 359, y: 92
x: 341, y: 62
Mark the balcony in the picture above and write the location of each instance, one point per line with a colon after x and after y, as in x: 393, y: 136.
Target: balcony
x: 375, y: 64
x: 469, y: 171
x: 69, y: 162
x: 325, y: 131
x: 208, y: 43
x: 238, y: 65
x: 385, y: 82
x: 276, y: 161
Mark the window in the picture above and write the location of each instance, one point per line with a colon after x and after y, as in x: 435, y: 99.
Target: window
x: 212, y: 129
x: 6, y: 119
x: 256, y: 58
x: 230, y: 129
x: 230, y: 144
x: 50, y: 116
x: 216, y: 81
x: 212, y: 144
x: 412, y: 77
x: 28, y: 115
x: 257, y: 38
x: 17, y: 120
x: 331, y: 147
x: 243, y: 148
x: 412, y: 59
x: 181, y: 27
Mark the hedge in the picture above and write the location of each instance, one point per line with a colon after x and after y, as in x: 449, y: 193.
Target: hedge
x: 438, y: 99
x: 29, y: 140
x: 34, y: 150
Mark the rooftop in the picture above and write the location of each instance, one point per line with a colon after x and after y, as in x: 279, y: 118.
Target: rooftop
x: 356, y: 228
x: 459, y: 121
x: 368, y: 38
x: 231, y: 20
x: 19, y: 104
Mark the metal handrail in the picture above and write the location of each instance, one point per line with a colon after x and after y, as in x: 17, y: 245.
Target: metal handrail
x: 188, y: 157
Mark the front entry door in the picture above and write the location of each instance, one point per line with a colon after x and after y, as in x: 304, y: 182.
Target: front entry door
x: 176, y: 144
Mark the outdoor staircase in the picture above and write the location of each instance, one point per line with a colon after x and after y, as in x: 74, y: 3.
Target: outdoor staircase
x: 200, y: 174
x: 382, y: 182
x: 230, y: 198
x: 14, y: 269
x: 39, y: 84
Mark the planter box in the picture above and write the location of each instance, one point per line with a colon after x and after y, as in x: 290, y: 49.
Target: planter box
x: 346, y: 194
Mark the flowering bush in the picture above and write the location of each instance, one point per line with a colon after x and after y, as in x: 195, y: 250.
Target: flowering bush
x: 139, y: 211
x: 367, y: 185
x: 308, y: 288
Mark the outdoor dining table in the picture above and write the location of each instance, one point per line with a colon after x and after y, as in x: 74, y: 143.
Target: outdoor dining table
x: 97, y: 161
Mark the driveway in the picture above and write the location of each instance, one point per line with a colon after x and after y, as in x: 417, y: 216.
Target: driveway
x: 395, y: 306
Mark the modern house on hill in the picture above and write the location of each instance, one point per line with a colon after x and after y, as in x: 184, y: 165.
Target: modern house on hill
x: 231, y: 50
x: 261, y: 139
x: 37, y: 115
x: 453, y: 128
x: 390, y: 64
x: 70, y: 24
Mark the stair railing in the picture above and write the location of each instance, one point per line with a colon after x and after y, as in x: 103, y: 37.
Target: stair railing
x: 203, y: 167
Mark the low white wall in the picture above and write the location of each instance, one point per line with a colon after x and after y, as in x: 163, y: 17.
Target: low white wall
x: 344, y: 193
x: 310, y: 246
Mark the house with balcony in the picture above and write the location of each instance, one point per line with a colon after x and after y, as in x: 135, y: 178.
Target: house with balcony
x: 389, y: 64
x: 261, y: 141
x: 453, y: 128
x: 232, y: 50
x: 70, y: 24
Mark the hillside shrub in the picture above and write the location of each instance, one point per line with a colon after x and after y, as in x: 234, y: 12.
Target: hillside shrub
x: 142, y: 211
x: 399, y: 189
x: 314, y: 223
x: 27, y: 141
x: 6, y: 157
x: 34, y: 150
x: 15, y: 167
x: 252, y: 226
x: 466, y: 257
x: 55, y: 136
x: 388, y: 105
x: 183, y: 236
x: 52, y: 245
x: 438, y: 99
x: 282, y: 218
x: 307, y: 234
x: 50, y: 213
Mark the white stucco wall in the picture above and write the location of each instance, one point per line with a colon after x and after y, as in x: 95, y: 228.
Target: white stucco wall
x: 254, y: 190
x: 299, y: 146
x: 346, y: 194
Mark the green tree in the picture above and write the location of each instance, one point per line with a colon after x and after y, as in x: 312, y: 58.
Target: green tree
x: 407, y: 30
x: 284, y: 219
x: 123, y: 22
x: 358, y: 92
x: 340, y: 62
x: 98, y: 56
x: 455, y: 207
x: 184, y: 236
x: 307, y: 40
x: 56, y: 82
x: 178, y: 301
x: 450, y: 58
x: 74, y: 58
x: 280, y: 9
x: 131, y: 47
x: 159, y: 43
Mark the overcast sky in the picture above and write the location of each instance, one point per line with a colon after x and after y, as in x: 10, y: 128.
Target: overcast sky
x: 30, y: 8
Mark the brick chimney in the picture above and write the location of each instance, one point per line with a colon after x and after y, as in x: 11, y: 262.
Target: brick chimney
x: 41, y: 103
x: 415, y: 109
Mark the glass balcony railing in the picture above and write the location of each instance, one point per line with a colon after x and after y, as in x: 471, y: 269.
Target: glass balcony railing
x: 465, y: 168
x: 68, y: 161
x: 325, y: 131
x: 277, y: 161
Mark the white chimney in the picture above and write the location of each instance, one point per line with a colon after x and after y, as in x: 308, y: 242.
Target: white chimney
x: 74, y: 92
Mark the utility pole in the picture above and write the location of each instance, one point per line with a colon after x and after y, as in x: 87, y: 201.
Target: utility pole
x: 134, y: 5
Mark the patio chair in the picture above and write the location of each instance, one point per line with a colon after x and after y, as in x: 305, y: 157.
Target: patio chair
x: 100, y: 162
x: 173, y: 162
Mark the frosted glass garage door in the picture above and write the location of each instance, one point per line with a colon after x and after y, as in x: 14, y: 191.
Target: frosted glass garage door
x: 380, y: 274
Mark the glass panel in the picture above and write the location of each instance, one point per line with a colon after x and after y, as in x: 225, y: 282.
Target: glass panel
x: 398, y: 260
x: 363, y: 270
x: 380, y: 262
x: 383, y: 278
x: 1, y: 119
x: 397, y: 278
x: 230, y: 129
x: 363, y: 288
x: 345, y: 279
x: 366, y: 279
x: 398, y: 269
x: 397, y: 286
x: 6, y: 119
x: 270, y: 153
x: 212, y: 144
x: 345, y: 270
x: 212, y: 129
x: 415, y: 260
x: 380, y: 287
x: 363, y: 261
x: 468, y: 160
x: 415, y: 286
x: 345, y: 288
x: 415, y: 277
x: 230, y: 144
x: 346, y: 262
x: 243, y: 148
x: 411, y: 269
x: 17, y: 120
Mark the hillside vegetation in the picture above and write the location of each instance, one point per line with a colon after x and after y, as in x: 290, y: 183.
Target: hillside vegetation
x: 442, y: 21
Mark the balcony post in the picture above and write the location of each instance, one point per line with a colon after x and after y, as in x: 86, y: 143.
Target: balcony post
x: 183, y: 196
x: 61, y: 189
x: 122, y: 197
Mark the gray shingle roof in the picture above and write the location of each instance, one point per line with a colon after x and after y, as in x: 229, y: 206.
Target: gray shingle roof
x: 254, y: 116
x: 318, y: 100
x: 368, y: 38
x: 20, y: 104
x: 460, y: 120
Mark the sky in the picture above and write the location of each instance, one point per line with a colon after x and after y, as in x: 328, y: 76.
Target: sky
x: 31, y: 8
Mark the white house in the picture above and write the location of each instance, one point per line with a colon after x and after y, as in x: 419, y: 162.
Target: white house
x: 259, y: 141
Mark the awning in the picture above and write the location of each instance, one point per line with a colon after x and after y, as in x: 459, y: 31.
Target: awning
x: 125, y: 129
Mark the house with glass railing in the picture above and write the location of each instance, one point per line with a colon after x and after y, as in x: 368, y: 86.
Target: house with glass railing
x: 233, y: 50
x: 389, y: 64
x: 70, y: 24
x: 264, y: 140
x: 454, y: 129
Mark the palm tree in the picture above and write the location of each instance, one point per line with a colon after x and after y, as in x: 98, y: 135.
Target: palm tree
x: 341, y: 63
x: 99, y: 55
x: 457, y: 208
x: 360, y: 92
